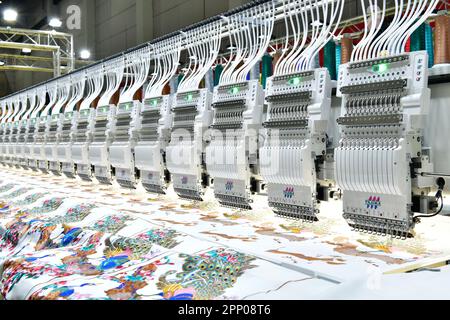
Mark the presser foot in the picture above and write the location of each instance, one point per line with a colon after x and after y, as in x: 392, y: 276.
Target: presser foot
x: 233, y: 202
x: 153, y: 188
x: 379, y: 226
x: 287, y: 211
x: 188, y: 194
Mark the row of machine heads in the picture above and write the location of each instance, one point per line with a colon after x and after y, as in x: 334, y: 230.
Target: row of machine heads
x: 242, y: 140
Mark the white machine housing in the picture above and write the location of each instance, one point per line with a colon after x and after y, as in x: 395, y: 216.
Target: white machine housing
x: 299, y: 107
x: 378, y: 162
x: 13, y: 149
x: 53, y: 134
x: 103, y: 136
x: 82, y: 140
x: 186, y: 151
x: 29, y: 144
x: 40, y: 142
x: 232, y: 156
x: 67, y: 135
x: 22, y: 157
x: 121, y: 151
x: 154, y: 136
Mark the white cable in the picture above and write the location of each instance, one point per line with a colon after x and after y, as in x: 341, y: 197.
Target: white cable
x: 250, y: 34
x: 203, y: 51
x: 431, y: 7
x: 3, y: 107
x: 17, y: 108
x: 94, y: 85
x: 52, y: 90
x: 77, y: 91
x: 41, y: 93
x: 23, y: 106
x: 391, y: 43
x: 355, y: 51
x: 9, y: 110
x: 137, y: 65
x: 166, y: 59
x: 63, y: 96
x: 114, y: 71
x: 33, y: 102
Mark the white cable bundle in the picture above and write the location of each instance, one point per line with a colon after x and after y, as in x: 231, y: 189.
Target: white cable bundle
x: 41, y: 94
x: 16, y: 108
x: 137, y: 65
x: 203, y: 51
x: 166, y: 56
x: 23, y: 102
x: 33, y: 101
x: 250, y: 34
x: 78, y: 82
x: 9, y: 109
x: 94, y: 85
x: 52, y: 90
x: 393, y: 40
x: 298, y: 15
x: 4, y: 112
x: 114, y: 71
x: 63, y: 95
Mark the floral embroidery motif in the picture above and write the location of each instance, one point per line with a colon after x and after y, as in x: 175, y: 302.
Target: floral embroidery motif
x: 205, y: 276
x: 30, y: 199
x: 111, y: 224
x: 16, y: 194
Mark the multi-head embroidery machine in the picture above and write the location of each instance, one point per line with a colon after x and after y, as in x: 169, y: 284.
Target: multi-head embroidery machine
x: 192, y: 115
x: 289, y: 142
x: 232, y: 157
x: 156, y: 118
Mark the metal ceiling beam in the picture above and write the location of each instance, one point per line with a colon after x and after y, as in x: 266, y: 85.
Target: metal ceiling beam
x: 59, y: 44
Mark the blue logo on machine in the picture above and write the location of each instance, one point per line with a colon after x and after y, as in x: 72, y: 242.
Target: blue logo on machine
x: 373, y: 203
x: 229, y: 185
x: 289, y: 192
x: 184, y: 180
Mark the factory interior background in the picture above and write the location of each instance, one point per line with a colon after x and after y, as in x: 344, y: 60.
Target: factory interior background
x: 224, y: 149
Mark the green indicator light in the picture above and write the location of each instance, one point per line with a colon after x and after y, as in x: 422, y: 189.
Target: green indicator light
x: 155, y: 102
x: 234, y: 90
x: 380, y: 68
x: 189, y: 97
x: 295, y: 81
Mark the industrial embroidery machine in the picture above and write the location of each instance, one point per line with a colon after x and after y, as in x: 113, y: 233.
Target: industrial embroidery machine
x: 365, y: 135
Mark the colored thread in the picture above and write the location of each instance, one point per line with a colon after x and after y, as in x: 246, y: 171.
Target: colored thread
x: 338, y: 56
x: 266, y: 69
x: 442, y: 39
x: 217, y: 73
x: 418, y: 39
x: 329, y: 59
x: 429, y: 46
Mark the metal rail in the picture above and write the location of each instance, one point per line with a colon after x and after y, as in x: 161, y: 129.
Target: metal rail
x: 59, y: 44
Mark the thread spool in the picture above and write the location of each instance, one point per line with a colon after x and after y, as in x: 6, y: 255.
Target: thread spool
x: 442, y: 39
x: 266, y: 69
x: 338, y: 56
x: 346, y: 49
x: 418, y: 39
x: 329, y: 59
x: 429, y: 45
x: 217, y: 73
